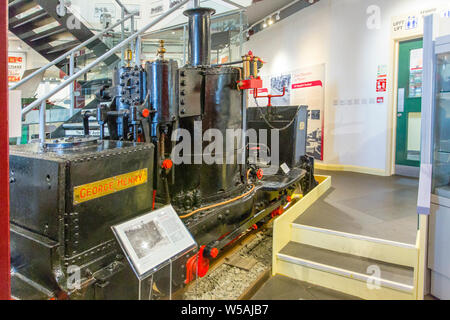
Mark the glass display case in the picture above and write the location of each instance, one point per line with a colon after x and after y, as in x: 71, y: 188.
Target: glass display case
x: 441, y: 174
x: 439, y: 220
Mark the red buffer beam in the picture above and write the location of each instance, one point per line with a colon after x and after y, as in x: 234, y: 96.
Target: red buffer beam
x: 5, y: 276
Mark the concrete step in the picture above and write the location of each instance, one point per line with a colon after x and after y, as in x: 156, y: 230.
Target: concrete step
x: 350, y: 274
x: 363, y: 246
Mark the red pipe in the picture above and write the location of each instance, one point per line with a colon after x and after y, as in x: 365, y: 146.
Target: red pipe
x: 5, y: 269
x: 270, y: 96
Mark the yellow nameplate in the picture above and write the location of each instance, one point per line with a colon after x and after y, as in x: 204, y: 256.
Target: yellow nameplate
x: 104, y: 187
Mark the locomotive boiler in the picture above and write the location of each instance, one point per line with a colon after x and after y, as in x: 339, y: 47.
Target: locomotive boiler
x: 76, y: 189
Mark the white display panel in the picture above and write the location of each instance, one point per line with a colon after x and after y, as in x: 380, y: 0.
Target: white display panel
x: 15, y: 113
x: 153, y: 239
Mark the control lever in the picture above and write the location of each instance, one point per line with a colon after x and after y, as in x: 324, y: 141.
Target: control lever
x: 86, y: 116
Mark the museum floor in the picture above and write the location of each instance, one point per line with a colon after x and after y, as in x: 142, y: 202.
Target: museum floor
x: 373, y: 206
x: 366, y: 205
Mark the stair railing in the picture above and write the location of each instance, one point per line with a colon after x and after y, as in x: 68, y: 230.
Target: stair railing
x: 121, y: 5
x: 41, y: 102
x: 71, y: 52
x: 124, y: 11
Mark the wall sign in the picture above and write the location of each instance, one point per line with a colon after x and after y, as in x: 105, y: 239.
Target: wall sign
x: 16, y: 66
x: 157, y: 8
x: 381, y: 85
x: 411, y: 23
x: 303, y: 87
x: 416, y: 73
x: 382, y: 78
x: 308, y: 89
x: 101, y: 8
x: 277, y: 84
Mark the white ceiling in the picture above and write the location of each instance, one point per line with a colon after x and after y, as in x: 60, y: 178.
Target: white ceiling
x: 261, y: 9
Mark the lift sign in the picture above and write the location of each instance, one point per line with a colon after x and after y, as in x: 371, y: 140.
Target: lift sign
x: 104, y: 187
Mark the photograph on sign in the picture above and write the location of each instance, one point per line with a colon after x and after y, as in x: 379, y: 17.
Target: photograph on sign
x: 278, y: 85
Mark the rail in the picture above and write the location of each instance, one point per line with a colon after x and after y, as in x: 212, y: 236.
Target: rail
x: 122, y: 6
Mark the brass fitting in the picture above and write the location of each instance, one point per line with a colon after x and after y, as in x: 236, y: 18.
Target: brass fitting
x: 255, y: 71
x: 246, y: 63
x: 129, y: 57
x: 161, y: 50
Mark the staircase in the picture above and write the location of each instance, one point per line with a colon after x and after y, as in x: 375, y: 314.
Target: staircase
x: 360, y: 266
x: 73, y: 127
x: 37, y: 23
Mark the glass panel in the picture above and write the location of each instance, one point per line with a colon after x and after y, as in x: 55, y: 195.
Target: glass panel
x: 414, y: 126
x: 173, y: 42
x: 441, y: 167
x: 59, y: 105
x: 225, y: 36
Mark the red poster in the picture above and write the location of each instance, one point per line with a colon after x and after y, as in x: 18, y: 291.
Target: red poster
x: 16, y: 66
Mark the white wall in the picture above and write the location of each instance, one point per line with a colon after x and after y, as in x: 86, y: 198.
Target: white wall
x: 335, y: 32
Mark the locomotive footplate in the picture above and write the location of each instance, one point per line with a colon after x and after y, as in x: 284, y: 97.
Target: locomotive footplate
x: 281, y: 182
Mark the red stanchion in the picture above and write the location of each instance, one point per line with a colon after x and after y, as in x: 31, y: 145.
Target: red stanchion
x: 5, y: 269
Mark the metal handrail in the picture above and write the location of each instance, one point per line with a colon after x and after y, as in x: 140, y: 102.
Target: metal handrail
x: 67, y: 54
x: 108, y: 54
x: 122, y: 6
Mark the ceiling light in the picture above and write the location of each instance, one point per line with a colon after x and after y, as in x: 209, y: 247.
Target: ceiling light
x: 270, y: 21
x: 265, y: 24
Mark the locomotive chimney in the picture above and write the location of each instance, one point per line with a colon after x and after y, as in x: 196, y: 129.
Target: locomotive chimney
x: 199, y: 36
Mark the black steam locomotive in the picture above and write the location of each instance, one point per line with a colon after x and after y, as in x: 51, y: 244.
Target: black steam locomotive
x: 63, y: 202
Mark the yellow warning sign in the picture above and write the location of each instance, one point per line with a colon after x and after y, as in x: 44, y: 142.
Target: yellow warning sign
x: 104, y: 187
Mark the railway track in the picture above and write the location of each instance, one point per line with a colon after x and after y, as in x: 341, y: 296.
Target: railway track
x: 238, y: 273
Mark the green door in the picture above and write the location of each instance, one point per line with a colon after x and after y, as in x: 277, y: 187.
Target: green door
x: 410, y: 71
